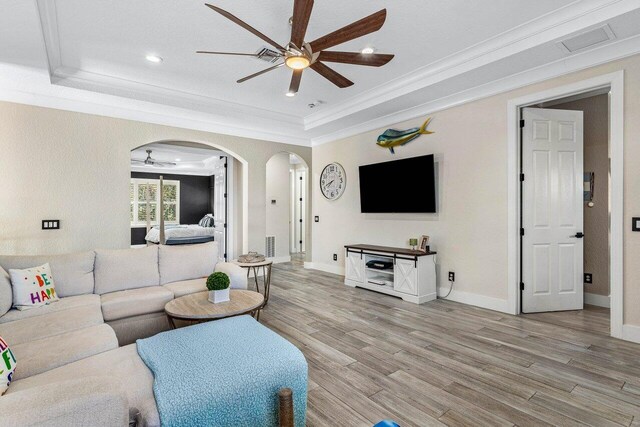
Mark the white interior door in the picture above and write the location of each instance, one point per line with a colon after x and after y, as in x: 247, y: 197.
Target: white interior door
x: 220, y: 208
x: 552, y: 210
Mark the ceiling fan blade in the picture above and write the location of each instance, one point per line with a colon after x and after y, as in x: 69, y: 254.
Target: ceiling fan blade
x: 295, y: 81
x: 331, y: 75
x: 137, y: 161
x: 301, y: 14
x: 356, y: 58
x: 244, y: 79
x: 227, y: 53
x: 244, y: 25
x: 352, y: 31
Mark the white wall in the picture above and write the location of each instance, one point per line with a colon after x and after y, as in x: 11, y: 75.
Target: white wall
x: 75, y: 167
x: 278, y: 214
x: 470, y: 229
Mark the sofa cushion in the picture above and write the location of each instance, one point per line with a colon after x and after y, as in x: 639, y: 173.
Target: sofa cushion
x: 62, y: 304
x: 51, y: 352
x: 120, y: 269
x: 185, y: 262
x: 134, y: 302
x: 33, y: 287
x: 122, y: 364
x: 186, y: 287
x: 6, y: 295
x: 54, y: 323
x: 73, y: 272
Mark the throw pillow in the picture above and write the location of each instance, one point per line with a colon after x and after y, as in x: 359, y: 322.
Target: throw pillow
x: 33, y: 287
x: 7, y: 366
x: 207, y: 221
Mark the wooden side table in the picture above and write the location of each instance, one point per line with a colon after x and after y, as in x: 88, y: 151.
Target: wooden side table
x: 266, y: 277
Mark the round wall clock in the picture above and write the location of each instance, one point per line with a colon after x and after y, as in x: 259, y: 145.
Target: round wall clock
x: 333, y: 181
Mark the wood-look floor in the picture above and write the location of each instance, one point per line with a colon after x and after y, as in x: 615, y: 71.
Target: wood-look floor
x: 374, y: 357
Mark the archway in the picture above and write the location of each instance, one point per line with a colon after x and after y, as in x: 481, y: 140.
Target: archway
x: 287, y: 202
x: 202, y: 198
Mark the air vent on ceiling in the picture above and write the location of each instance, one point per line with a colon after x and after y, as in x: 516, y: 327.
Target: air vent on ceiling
x: 587, y: 39
x: 268, y: 55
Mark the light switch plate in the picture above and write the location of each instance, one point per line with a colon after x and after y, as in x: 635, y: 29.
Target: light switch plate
x: 50, y: 224
x: 635, y: 224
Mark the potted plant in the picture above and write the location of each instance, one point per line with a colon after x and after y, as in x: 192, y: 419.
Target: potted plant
x: 218, y: 285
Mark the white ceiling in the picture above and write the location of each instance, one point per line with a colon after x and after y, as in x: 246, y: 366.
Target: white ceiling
x: 93, y: 53
x: 189, y: 159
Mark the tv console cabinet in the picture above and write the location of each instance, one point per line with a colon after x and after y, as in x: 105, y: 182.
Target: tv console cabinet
x: 412, y: 276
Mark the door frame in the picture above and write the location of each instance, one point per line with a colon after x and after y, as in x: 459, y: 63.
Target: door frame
x: 615, y: 81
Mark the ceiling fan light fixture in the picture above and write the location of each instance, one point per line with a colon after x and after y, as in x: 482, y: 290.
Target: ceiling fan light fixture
x: 368, y: 50
x: 154, y: 58
x: 297, y: 62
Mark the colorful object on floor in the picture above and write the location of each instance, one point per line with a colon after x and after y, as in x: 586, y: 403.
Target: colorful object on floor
x: 394, y: 138
x: 7, y: 366
x: 32, y: 287
x: 224, y: 373
x: 387, y: 423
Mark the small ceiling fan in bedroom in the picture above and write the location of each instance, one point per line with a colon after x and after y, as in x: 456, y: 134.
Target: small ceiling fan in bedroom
x: 298, y: 54
x: 151, y: 161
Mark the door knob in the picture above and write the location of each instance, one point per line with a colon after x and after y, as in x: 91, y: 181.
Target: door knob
x: 579, y: 235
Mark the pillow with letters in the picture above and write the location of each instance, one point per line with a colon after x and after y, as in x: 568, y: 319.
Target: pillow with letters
x: 32, y: 287
x: 7, y: 366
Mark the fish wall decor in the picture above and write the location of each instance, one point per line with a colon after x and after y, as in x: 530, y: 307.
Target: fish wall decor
x: 392, y: 138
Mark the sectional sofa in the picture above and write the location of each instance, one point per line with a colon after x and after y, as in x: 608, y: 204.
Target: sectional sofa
x: 77, y: 363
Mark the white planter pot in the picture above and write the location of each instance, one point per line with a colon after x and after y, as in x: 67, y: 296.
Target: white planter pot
x: 219, y: 296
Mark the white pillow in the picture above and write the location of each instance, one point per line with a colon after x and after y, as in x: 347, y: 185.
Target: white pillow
x: 32, y: 287
x: 7, y: 366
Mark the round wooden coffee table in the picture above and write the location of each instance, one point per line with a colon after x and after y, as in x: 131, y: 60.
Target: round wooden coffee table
x: 196, y: 307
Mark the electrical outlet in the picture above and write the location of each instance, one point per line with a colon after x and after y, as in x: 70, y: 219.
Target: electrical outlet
x: 316, y: 218
x: 588, y: 278
x: 335, y: 257
x: 452, y: 276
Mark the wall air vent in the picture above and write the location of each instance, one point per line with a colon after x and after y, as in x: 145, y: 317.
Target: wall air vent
x: 586, y: 40
x: 268, y: 55
x: 270, y: 247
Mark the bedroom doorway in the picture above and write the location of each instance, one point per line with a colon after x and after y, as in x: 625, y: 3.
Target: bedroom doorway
x: 197, y: 198
x: 286, y: 207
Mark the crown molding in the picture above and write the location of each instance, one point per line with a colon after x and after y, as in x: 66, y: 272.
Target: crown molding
x: 574, y: 17
x: 607, y: 53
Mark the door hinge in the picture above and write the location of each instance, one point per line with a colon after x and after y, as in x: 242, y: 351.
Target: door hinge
x: 225, y: 256
x: 225, y: 225
x: 522, y: 177
x: 522, y: 286
x: 225, y: 195
x: 225, y: 165
x: 522, y: 231
x: 300, y: 198
x: 522, y: 123
x: 300, y: 219
x: 300, y: 241
x: 300, y: 178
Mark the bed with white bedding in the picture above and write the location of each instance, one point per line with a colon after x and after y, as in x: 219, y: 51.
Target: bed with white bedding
x: 181, y: 234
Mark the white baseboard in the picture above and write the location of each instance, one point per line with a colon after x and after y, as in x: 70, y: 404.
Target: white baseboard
x: 631, y: 333
x: 597, y: 300
x: 280, y: 259
x: 477, y: 300
x: 328, y: 268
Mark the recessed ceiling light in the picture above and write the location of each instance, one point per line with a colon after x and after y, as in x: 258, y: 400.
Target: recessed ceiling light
x: 290, y: 94
x: 177, y: 160
x: 154, y: 58
x: 368, y: 50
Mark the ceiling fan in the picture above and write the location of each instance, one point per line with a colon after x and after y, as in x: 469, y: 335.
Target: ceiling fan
x: 298, y: 54
x: 151, y: 161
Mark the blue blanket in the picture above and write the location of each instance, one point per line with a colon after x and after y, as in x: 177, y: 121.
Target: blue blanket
x: 224, y: 373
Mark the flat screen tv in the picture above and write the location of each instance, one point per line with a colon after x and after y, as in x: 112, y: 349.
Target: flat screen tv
x: 399, y: 186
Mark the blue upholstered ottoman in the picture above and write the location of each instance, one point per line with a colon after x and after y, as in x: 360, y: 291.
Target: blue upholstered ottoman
x: 224, y: 373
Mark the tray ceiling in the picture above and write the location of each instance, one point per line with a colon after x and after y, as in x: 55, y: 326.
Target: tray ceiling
x: 95, y: 52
